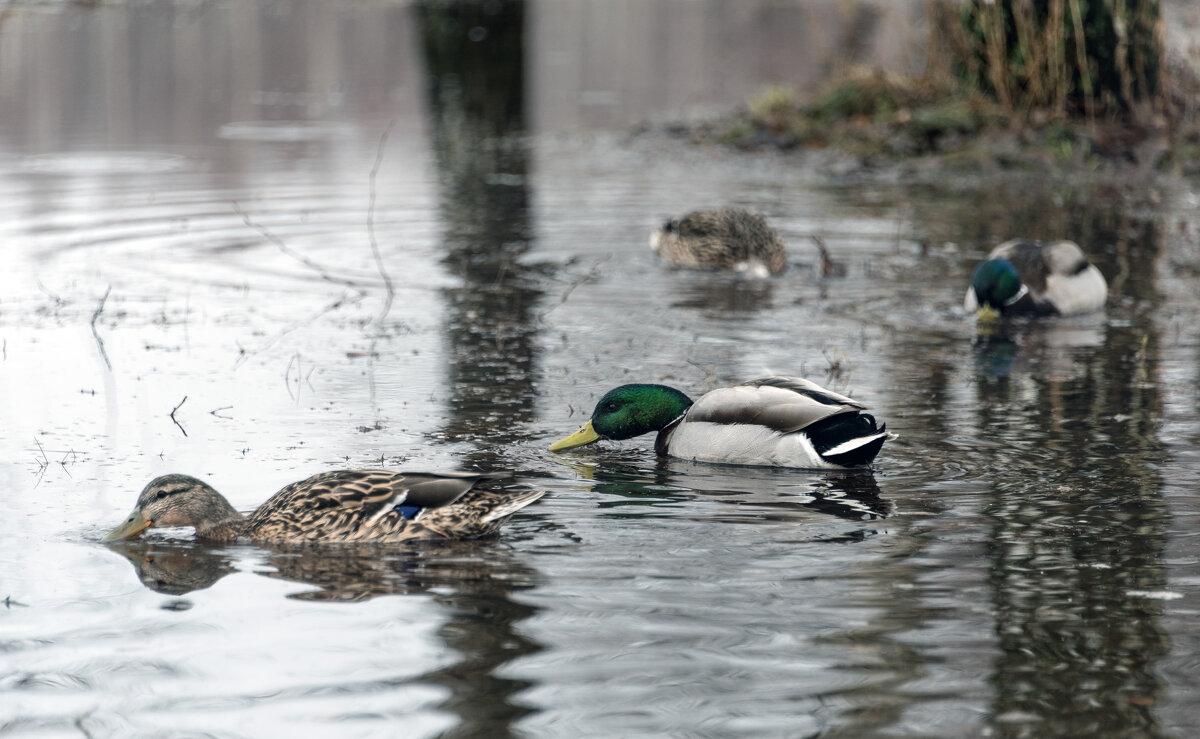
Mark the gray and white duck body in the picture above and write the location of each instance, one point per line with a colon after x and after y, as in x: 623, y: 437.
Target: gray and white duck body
x: 1034, y: 278
x: 775, y: 421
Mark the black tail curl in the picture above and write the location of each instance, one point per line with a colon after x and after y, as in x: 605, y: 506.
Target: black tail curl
x: 834, y: 431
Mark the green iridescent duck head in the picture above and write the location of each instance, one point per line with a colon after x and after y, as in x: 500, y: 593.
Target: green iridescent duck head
x: 996, y: 285
x: 626, y: 412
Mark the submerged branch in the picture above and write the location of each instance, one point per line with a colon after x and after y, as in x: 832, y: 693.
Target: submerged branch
x: 345, y: 299
x: 387, y: 280
x: 100, y: 341
x: 266, y: 234
x: 177, y: 423
x: 592, y: 273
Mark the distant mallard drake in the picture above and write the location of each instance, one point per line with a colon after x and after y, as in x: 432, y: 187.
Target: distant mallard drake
x: 380, y: 506
x: 774, y: 421
x: 1035, y: 278
x: 732, y: 238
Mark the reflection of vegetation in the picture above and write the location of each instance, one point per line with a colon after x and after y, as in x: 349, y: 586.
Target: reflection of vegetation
x: 485, y: 629
x: 1076, y: 546
x: 474, y: 52
x: 475, y: 68
x: 475, y: 65
x: 1078, y: 530
x: 1075, y: 522
x: 472, y: 581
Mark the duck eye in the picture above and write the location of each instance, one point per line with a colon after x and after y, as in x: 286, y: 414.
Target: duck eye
x: 164, y: 492
x: 610, y: 406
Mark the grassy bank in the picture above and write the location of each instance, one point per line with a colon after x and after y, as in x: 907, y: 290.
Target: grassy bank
x: 1018, y: 91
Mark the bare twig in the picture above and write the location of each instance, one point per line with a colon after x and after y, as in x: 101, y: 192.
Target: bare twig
x: 301, y: 377
x: 387, y: 280
x: 63, y: 461
x: 266, y: 234
x: 839, y: 365
x: 346, y: 298
x: 43, y: 463
x: 287, y: 378
x: 710, y: 373
x: 100, y: 341
x: 592, y: 273
x: 58, y: 300
x: 177, y: 423
x: 371, y: 377
x: 829, y: 268
x: 222, y: 408
x: 80, y: 726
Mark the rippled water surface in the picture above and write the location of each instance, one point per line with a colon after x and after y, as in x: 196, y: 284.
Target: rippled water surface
x: 191, y: 200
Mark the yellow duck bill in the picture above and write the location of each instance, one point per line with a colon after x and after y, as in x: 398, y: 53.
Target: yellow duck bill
x: 987, y: 313
x: 585, y: 435
x: 133, y: 525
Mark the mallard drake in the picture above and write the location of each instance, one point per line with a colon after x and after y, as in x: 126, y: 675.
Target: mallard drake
x: 379, y: 506
x: 775, y: 421
x: 1035, y: 278
x: 733, y: 238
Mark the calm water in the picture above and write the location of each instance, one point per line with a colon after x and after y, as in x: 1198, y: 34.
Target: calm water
x: 1021, y: 561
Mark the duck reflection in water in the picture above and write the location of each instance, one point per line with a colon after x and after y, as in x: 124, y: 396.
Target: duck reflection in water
x: 337, y: 530
x: 766, y: 494
x: 175, y: 567
x: 341, y: 574
x: 723, y: 296
x: 1054, y: 348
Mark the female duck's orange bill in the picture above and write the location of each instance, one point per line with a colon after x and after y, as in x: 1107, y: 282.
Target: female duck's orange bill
x: 132, y: 526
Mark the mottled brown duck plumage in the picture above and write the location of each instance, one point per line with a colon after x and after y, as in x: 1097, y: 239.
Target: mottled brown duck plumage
x: 347, y: 506
x: 733, y: 239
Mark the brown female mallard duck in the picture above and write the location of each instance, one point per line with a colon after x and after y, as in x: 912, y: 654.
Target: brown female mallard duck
x: 379, y: 506
x: 1036, y: 279
x: 733, y: 238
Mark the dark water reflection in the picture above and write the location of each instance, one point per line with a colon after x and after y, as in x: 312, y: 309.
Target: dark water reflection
x: 770, y: 495
x: 474, y: 55
x: 472, y: 582
x: 1069, y: 412
x: 349, y: 574
x: 1020, y: 562
x: 477, y: 106
x: 1077, y: 542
